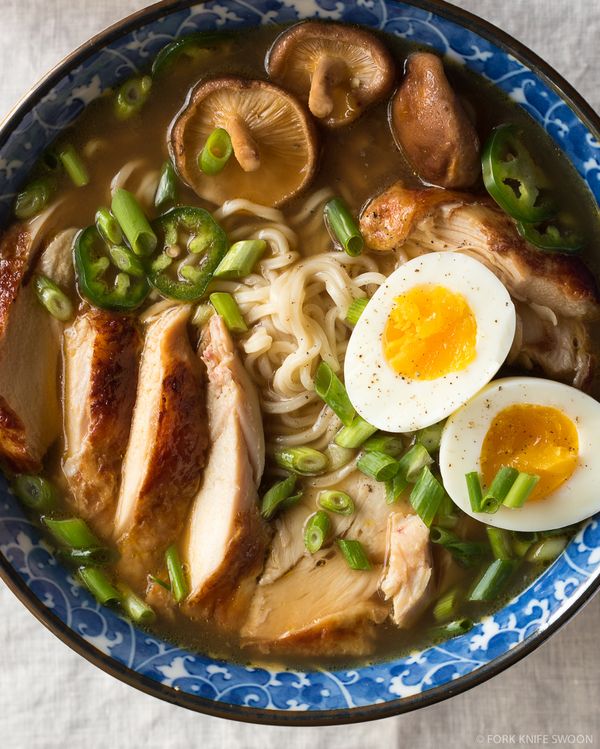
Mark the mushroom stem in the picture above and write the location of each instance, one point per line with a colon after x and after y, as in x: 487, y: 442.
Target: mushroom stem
x: 330, y: 72
x: 244, y: 146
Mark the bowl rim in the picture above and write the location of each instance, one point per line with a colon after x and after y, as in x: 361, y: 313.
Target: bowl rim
x: 129, y: 676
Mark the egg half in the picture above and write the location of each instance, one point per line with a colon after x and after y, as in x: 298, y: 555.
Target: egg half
x: 432, y: 335
x: 538, y: 426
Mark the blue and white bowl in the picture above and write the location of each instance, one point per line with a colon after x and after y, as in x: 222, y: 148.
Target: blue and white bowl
x: 258, y: 694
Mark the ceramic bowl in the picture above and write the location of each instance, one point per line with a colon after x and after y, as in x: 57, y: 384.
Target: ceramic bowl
x: 260, y: 694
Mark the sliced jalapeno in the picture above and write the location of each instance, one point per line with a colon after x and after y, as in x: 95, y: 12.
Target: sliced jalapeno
x: 191, y: 246
x: 554, y: 235
x: 100, y: 278
x: 513, y: 179
x: 191, y: 45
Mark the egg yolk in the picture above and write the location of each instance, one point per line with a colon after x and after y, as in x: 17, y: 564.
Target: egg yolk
x: 431, y: 332
x: 539, y: 440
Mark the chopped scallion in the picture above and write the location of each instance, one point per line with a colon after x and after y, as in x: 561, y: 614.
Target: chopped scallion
x: 336, y: 501
x: 74, y: 166
x: 330, y: 388
x: 98, y: 556
x: 354, y: 554
x: 414, y: 460
x: 166, y: 192
x: 447, y: 605
x: 452, y: 629
x: 305, y: 461
x: 343, y: 227
x: 431, y: 436
x: 131, y: 96
x: 108, y: 227
x: 394, y: 488
x: 338, y: 456
x: 500, y: 541
x: 241, y: 259
x: 474, y: 490
x: 355, y: 310
x: 135, y: 608
x: 492, y: 580
x: 521, y: 542
x: 521, y: 490
x: 379, y: 466
x: 354, y: 435
x: 179, y: 586
x: 227, y: 307
x: 216, y: 152
x: 99, y: 585
x: 133, y: 222
x: 34, y: 197
x: 390, y: 444
x: 53, y: 298
x: 127, y: 261
x: 465, y: 553
x: 316, y: 530
x: 277, y: 494
x: 426, y: 496
x: 547, y: 549
x: 72, y: 532
x: 499, y: 488
x: 35, y: 492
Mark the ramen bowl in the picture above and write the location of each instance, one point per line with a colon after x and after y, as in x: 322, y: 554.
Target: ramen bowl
x: 268, y: 694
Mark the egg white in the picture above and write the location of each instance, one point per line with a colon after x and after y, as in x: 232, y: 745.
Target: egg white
x: 396, y: 404
x: 464, y: 432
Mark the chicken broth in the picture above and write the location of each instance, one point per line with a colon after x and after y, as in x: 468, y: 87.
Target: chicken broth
x: 175, y: 420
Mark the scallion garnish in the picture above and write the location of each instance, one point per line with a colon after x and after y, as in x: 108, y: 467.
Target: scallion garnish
x: 35, y: 492
x: 34, y: 197
x: 414, y: 460
x: 521, y: 490
x: 330, y: 388
x: 343, y: 227
x: 521, y: 542
x: 305, y: 461
x: 108, y: 227
x: 216, y: 152
x: 431, y: 436
x: 135, y: 608
x: 277, y: 494
x: 378, y: 465
x: 389, y: 444
x: 73, y: 533
x: 474, y: 490
x: 465, y: 553
x: 394, y: 488
x: 179, y: 586
x: 98, y: 556
x: 241, y: 259
x: 354, y: 435
x: 452, y: 629
x: 355, y: 310
x: 132, y: 95
x: 227, y: 307
x: 166, y: 192
x: 426, y: 496
x: 447, y: 605
x: 316, y: 530
x: 499, y: 488
x: 354, y: 554
x: 336, y: 501
x: 127, y: 261
x: 338, y: 456
x: 99, y: 585
x: 53, y: 298
x: 492, y: 580
x: 74, y: 166
x: 546, y: 550
x: 500, y: 541
x: 133, y: 222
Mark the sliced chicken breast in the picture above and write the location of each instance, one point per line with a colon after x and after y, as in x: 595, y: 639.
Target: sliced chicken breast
x: 166, y: 449
x: 407, y: 576
x: 321, y: 606
x: 29, y: 360
x: 226, y: 539
x: 101, y: 352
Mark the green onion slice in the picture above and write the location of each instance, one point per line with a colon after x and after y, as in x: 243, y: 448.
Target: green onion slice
x: 394, y: 488
x: 426, y: 496
x: 305, y: 461
x: 521, y: 490
x: 166, y: 192
x: 354, y: 435
x: 474, y: 490
x: 336, y: 501
x: 500, y: 542
x: 452, y: 629
x: 330, y: 388
x: 355, y: 310
x: 343, y: 227
x: 108, y: 227
x: 53, y: 298
x: 389, y: 444
x: 354, y: 554
x: 131, y: 96
x: 34, y: 197
x: 35, y: 492
x: 127, y: 261
x: 133, y: 222
x: 499, y: 489
x: 430, y: 437
x: 179, y: 586
x: 73, y: 533
x: 74, y: 166
x: 98, y: 556
x: 135, y: 608
x: 216, y: 152
x: 99, y: 585
x: 378, y: 465
x: 547, y: 549
x: 241, y: 259
x: 227, y: 307
x: 447, y: 605
x: 316, y: 530
x: 276, y: 495
x: 465, y: 553
x: 414, y: 460
x: 492, y: 580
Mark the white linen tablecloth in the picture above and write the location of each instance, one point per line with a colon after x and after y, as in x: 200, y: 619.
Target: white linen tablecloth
x: 51, y: 698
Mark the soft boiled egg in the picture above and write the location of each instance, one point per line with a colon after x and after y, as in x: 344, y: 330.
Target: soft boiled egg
x: 432, y: 335
x: 537, y: 426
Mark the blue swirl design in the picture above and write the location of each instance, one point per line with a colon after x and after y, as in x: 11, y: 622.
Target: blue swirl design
x: 533, y: 610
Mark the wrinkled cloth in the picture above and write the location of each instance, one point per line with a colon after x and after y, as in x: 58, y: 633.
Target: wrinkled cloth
x: 51, y: 698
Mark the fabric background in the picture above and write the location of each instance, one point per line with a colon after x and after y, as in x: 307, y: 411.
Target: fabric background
x: 51, y: 698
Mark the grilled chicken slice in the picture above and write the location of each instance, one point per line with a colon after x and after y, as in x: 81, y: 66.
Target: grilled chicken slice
x: 407, y: 576
x: 226, y: 540
x: 368, y: 524
x: 29, y: 360
x: 319, y: 607
x: 554, y: 293
x: 100, y: 355
x: 167, y: 444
